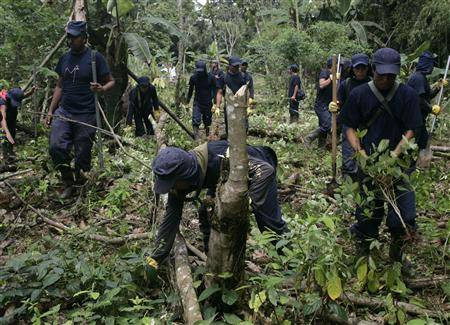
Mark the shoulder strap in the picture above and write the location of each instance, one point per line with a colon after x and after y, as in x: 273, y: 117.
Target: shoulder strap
x: 201, y: 153
x: 384, y: 101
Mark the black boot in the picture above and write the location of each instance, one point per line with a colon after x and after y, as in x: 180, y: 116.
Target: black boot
x: 80, y: 179
x: 396, y: 254
x: 312, y: 136
x: 196, y: 133
x: 68, y: 182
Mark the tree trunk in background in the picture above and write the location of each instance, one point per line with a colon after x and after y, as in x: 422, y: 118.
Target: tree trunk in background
x: 181, y: 49
x: 230, y: 222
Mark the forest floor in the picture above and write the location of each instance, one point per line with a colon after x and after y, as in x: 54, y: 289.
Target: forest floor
x: 69, y: 273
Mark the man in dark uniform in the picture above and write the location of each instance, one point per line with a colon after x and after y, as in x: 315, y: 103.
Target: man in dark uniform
x: 418, y: 81
x: 324, y: 97
x: 294, y: 93
x: 178, y: 173
x: 9, y: 109
x: 143, y: 103
x: 234, y: 80
x: 217, y: 73
x: 387, y: 110
x: 248, y: 79
x: 359, y: 76
x: 73, y: 99
x: 204, y: 84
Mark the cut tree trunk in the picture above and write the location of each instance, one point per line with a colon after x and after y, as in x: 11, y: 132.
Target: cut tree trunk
x: 230, y: 222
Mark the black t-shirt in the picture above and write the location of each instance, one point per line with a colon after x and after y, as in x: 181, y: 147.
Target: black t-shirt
x: 325, y: 95
x: 204, y: 85
x: 294, y: 81
x: 249, y: 79
x: 362, y: 105
x: 346, y: 87
x: 232, y: 81
x: 75, y: 69
x: 418, y: 81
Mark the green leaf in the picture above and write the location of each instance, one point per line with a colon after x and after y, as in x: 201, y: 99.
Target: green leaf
x: 417, y: 322
x: 334, y: 287
x: 319, y: 275
x: 138, y: 46
x: 225, y: 275
x: 361, y: 271
x: 50, y: 279
x: 338, y: 310
x: 170, y: 27
x: 94, y: 295
x: 208, y: 292
x: 124, y: 7
x: 257, y: 300
x: 329, y: 223
x: 359, y: 31
x: 273, y: 281
x: 232, y: 319
x: 229, y: 297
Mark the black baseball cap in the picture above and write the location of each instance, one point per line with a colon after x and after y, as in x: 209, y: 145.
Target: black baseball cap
x: 387, y: 61
x: 76, y: 28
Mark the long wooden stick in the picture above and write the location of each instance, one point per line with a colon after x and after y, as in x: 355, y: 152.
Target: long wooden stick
x: 46, y: 59
x: 97, y: 112
x: 334, y: 121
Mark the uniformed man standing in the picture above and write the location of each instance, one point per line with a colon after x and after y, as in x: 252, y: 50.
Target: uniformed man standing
x: 73, y: 99
x: 204, y: 84
x: 359, y: 76
x: 294, y: 93
x: 248, y: 80
x: 143, y: 103
x: 418, y: 81
x: 179, y: 173
x: 324, y: 97
x: 390, y: 111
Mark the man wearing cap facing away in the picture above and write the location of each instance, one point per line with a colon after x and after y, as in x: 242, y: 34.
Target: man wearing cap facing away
x: 234, y: 80
x: 180, y: 172
x: 323, y: 98
x: 143, y: 103
x: 9, y: 106
x: 294, y: 93
x: 419, y: 82
x: 387, y: 110
x: 204, y: 85
x: 73, y: 99
x: 359, y: 75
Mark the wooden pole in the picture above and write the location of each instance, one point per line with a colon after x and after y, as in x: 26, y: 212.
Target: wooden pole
x: 34, y: 100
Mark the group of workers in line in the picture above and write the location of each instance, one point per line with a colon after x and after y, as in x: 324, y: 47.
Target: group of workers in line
x: 369, y: 98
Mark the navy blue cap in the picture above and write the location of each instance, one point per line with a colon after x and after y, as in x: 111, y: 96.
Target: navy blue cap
x: 171, y: 165
x: 244, y: 62
x: 200, y: 66
x: 426, y: 63
x: 387, y: 60
x: 234, y: 61
x: 329, y: 62
x: 143, y: 81
x: 76, y: 28
x: 15, y: 96
x: 359, y: 59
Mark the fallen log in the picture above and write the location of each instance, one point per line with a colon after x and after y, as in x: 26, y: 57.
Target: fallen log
x: 440, y: 148
x: 422, y: 283
x: 378, y: 303
x: 19, y: 172
x: 119, y: 240
x: 262, y: 133
x: 191, y: 308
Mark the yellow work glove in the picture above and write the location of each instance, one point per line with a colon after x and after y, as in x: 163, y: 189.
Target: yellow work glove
x: 338, y: 75
x: 251, y: 102
x: 249, y: 110
x: 157, y: 115
x: 442, y: 82
x: 436, y: 110
x: 333, y: 107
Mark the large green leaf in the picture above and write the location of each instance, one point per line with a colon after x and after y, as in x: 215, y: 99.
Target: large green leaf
x: 138, y: 46
x: 124, y: 7
x: 169, y: 26
x: 359, y: 31
x: 422, y: 48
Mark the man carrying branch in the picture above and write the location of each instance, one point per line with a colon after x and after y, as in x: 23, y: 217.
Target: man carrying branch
x: 73, y: 99
x: 389, y: 111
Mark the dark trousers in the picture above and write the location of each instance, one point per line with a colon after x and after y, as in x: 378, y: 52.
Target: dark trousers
x: 324, y: 117
x: 367, y: 226
x: 349, y: 165
x: 201, y: 113
x: 293, y: 110
x: 143, y: 123
x: 422, y: 137
x: 66, y: 135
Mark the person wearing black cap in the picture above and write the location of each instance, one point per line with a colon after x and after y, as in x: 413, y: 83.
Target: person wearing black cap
x: 204, y: 84
x: 294, y: 93
x: 8, y: 118
x: 143, y: 103
x: 323, y: 98
x: 388, y: 111
x: 234, y: 80
x: 359, y: 76
x: 180, y: 172
x: 73, y: 99
x: 419, y: 82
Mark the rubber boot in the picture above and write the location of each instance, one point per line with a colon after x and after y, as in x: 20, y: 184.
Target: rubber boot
x: 322, y: 140
x: 196, y: 133
x: 80, y: 179
x: 67, y: 179
x: 396, y: 254
x: 311, y: 137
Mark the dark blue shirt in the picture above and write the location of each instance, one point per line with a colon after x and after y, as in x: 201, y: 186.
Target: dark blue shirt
x: 294, y: 81
x: 76, y: 73
x: 204, y: 85
x: 362, y: 105
x: 325, y: 95
x: 232, y: 81
x: 418, y: 81
x: 346, y: 87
